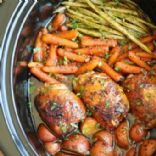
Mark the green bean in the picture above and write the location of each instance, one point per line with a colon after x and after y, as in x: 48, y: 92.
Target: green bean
x: 118, y: 26
x: 93, y: 25
x: 126, y: 11
x: 78, y: 14
x: 115, y: 5
x: 74, y: 4
x: 95, y: 16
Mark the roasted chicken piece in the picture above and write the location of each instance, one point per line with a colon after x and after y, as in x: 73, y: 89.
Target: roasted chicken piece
x: 59, y: 107
x: 103, y: 97
x: 141, y: 92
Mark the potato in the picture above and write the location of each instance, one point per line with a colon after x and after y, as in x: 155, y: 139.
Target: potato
x: 101, y: 149
x: 52, y: 147
x: 137, y: 132
x: 122, y: 136
x: 77, y: 143
x: 131, y: 152
x: 44, y: 134
x: 148, y: 148
x: 89, y: 126
x: 104, y: 136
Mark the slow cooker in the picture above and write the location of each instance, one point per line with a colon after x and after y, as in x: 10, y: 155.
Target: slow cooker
x: 27, y: 18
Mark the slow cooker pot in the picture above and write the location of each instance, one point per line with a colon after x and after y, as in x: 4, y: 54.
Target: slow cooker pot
x: 26, y: 20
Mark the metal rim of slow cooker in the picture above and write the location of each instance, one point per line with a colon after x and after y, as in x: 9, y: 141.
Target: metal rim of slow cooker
x: 16, y: 131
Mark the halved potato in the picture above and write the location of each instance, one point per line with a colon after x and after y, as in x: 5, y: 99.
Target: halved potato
x: 148, y: 148
x: 89, y: 127
x: 77, y: 143
x: 104, y: 136
x: 52, y: 147
x: 44, y: 134
x: 122, y: 136
x: 137, y: 132
x: 101, y: 149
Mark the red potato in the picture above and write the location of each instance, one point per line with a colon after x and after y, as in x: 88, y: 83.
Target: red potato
x: 44, y: 134
x: 137, y: 132
x: 101, y: 149
x: 121, y: 134
x: 89, y: 127
x: 52, y: 147
x: 148, y: 148
x: 104, y: 136
x: 77, y: 143
x: 131, y: 152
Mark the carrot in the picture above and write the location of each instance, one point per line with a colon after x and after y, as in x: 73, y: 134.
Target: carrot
x: 146, y: 59
x: 71, y: 56
x: 35, y: 64
x: 51, y: 39
x: 67, y: 69
x: 112, y: 73
x: 58, y: 20
x: 149, y: 45
x: 115, y: 54
x: 97, y: 51
x: 132, y: 45
x: 42, y: 76
x: 52, y: 56
x: 138, y: 61
x: 89, y: 66
x: 38, y: 50
x: 44, y: 31
x: 122, y: 56
x: 144, y: 55
x: 126, y: 68
x: 71, y: 34
x: 98, y: 42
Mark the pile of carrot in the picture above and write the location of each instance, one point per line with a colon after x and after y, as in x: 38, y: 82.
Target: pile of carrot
x: 60, y: 50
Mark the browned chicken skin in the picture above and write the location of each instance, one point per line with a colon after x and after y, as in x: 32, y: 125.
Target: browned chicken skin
x: 103, y: 97
x: 141, y: 92
x: 59, y: 107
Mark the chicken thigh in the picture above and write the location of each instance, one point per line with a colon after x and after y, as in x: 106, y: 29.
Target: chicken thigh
x: 103, y: 97
x: 59, y: 107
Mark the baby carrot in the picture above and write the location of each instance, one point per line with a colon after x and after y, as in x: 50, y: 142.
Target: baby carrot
x: 126, y: 68
x: 42, y: 76
x: 71, y: 56
x: 109, y: 71
x: 52, y: 39
x: 52, y: 56
x: 97, y: 50
x: 71, y: 34
x: 67, y: 69
x: 134, y: 58
x: 89, y: 66
x: 114, y: 56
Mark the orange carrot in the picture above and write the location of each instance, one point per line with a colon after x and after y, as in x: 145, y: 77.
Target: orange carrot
x: 42, y: 76
x: 89, y: 66
x: 52, y: 57
x: 122, y: 56
x: 71, y: 34
x: 97, y: 51
x: 112, y: 73
x: 35, y: 64
x: 145, y: 59
x: 131, y: 45
x: 71, y: 56
x: 98, y: 42
x: 126, y: 68
x: 115, y: 54
x: 58, y: 20
x: 67, y: 69
x: 144, y: 55
x: 51, y: 39
x: 38, y: 50
x: 138, y: 61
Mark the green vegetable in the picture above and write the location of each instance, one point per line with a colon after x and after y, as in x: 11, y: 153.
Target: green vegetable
x: 117, y: 68
x: 107, y: 104
x: 37, y: 49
